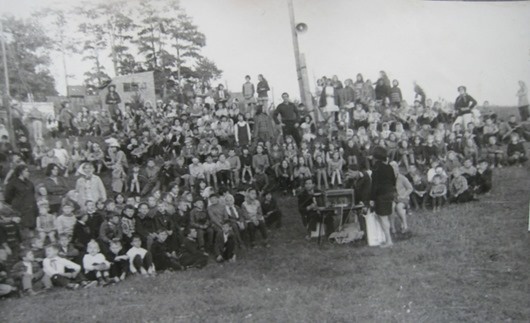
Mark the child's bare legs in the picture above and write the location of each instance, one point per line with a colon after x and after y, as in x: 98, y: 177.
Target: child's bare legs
x: 235, y: 178
x: 405, y: 161
x: 402, y: 213
x: 319, y: 181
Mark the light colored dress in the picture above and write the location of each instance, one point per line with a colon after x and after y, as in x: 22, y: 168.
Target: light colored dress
x: 330, y: 100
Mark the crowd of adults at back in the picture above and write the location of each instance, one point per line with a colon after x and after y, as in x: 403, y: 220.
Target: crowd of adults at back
x: 167, y: 186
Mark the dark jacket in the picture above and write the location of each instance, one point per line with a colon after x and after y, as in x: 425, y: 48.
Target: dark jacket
x: 383, y: 181
x: 288, y: 111
x: 464, y: 104
x: 21, y: 196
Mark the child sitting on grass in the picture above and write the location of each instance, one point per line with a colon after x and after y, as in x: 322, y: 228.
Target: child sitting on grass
x: 254, y: 217
x: 438, y: 193
x: 61, y: 271
x: 119, y: 261
x: 164, y: 256
x: 459, y: 188
x: 225, y: 244
x: 95, y: 264
x: 28, y: 272
x: 66, y: 248
x: 140, y: 260
x: 191, y: 256
x: 6, y: 285
x: 200, y: 221
x: 515, y: 151
x: 483, y: 182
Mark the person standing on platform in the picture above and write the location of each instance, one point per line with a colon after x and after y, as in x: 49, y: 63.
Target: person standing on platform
x: 290, y: 118
x: 464, y: 105
x: 113, y: 100
x: 263, y: 92
x: 248, y: 90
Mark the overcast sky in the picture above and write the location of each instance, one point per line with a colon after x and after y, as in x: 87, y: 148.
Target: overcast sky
x: 483, y: 45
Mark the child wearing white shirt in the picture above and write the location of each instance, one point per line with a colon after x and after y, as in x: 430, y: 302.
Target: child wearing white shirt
x: 56, y: 268
x: 140, y: 260
x: 95, y: 264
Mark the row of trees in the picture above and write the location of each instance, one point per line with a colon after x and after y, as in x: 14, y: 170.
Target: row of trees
x: 154, y: 35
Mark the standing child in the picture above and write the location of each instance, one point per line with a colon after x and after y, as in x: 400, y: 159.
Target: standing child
x: 136, y: 181
x: 210, y: 171
x: 235, y: 167
x: 335, y: 168
x: 46, y: 224
x: 246, y: 164
x: 321, y: 170
x: 118, y: 178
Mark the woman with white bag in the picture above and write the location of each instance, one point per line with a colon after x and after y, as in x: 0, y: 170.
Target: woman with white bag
x: 383, y: 192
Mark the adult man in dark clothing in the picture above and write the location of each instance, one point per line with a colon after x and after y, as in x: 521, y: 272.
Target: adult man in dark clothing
x: 290, y: 118
x: 307, y: 206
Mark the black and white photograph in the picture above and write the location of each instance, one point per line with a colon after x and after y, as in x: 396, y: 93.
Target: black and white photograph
x: 264, y: 161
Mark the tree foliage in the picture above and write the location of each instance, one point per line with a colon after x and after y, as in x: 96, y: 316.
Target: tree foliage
x: 28, y: 58
x: 149, y: 35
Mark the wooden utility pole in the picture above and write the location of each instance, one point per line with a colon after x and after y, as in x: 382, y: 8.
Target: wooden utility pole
x: 301, y: 67
x: 7, y: 93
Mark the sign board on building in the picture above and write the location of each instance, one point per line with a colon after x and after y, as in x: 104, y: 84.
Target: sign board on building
x: 130, y: 86
x: 76, y: 91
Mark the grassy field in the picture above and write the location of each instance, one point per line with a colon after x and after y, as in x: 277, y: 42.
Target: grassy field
x: 468, y: 263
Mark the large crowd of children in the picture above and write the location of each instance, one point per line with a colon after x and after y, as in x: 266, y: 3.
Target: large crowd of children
x: 192, y: 178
